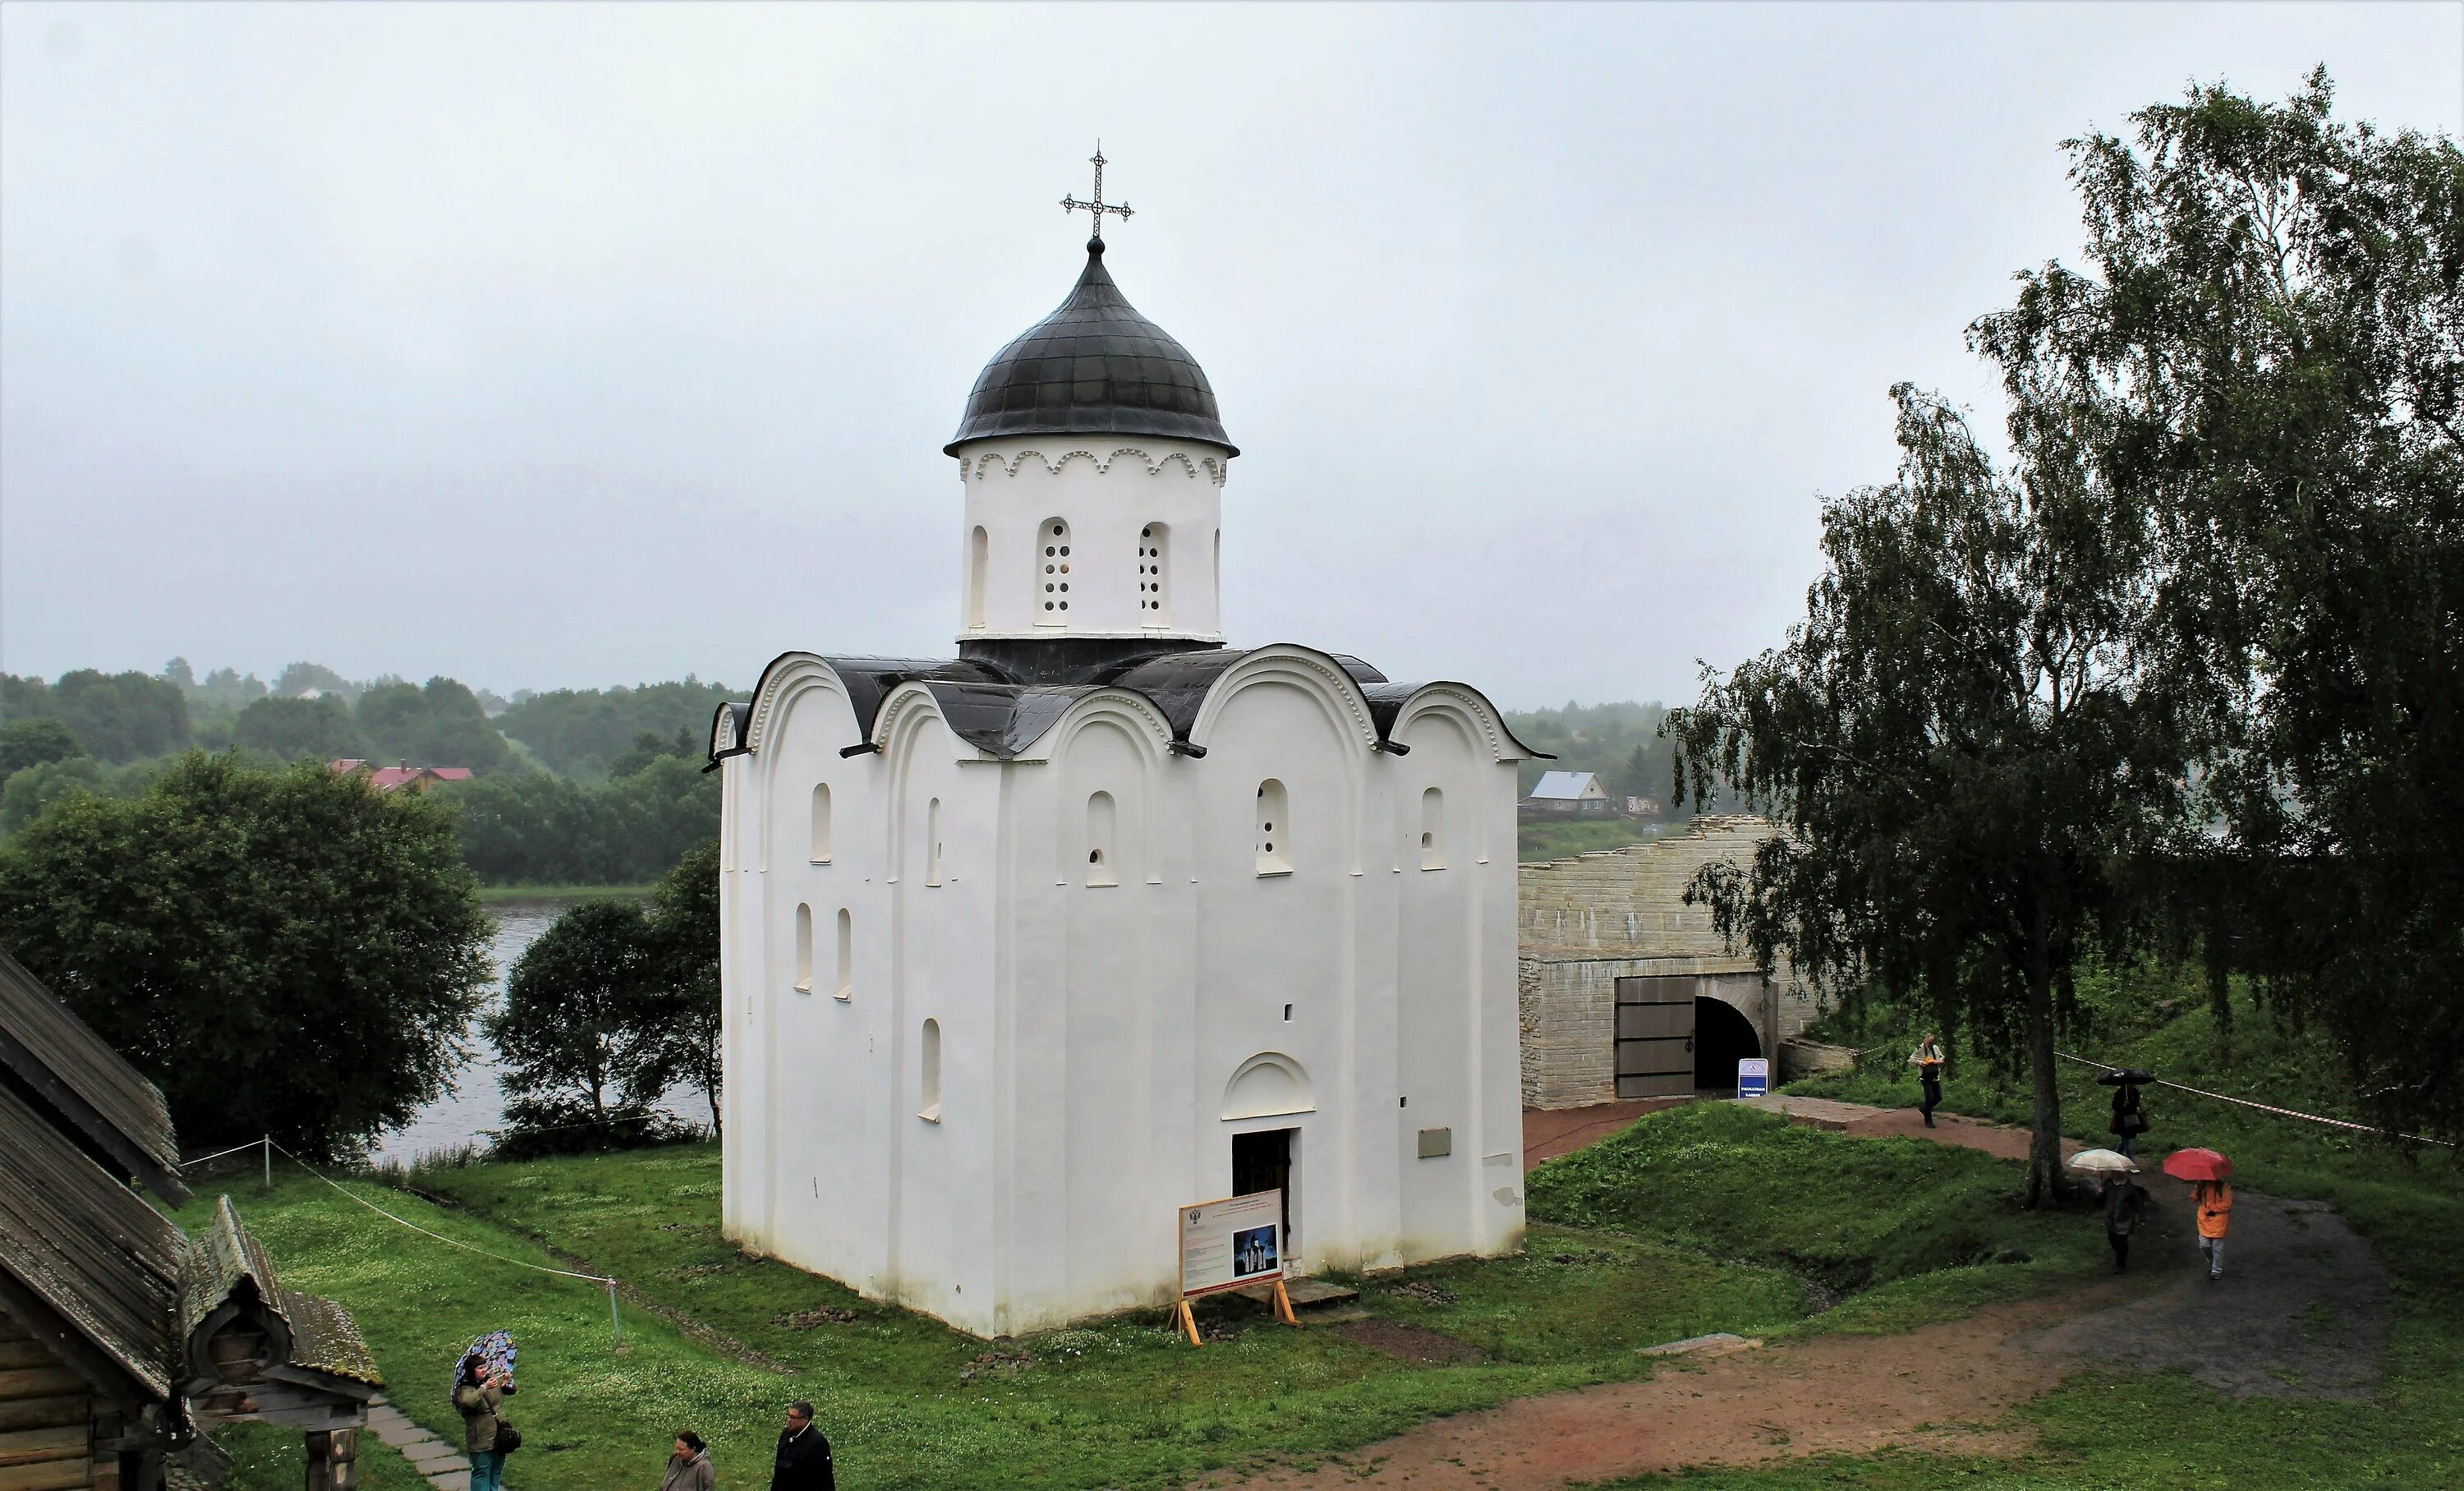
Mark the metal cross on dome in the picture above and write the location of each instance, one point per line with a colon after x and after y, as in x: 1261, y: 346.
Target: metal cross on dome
x: 1099, y: 207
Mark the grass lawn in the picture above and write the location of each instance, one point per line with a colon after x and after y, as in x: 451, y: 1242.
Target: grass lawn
x: 1703, y: 1217
x: 2166, y: 1432
x: 1908, y: 1232
x: 907, y: 1402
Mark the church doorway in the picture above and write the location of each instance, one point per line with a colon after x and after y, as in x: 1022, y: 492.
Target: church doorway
x: 1262, y: 1161
x: 1723, y: 1038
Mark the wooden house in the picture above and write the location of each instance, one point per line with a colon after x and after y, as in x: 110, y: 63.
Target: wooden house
x: 122, y: 1340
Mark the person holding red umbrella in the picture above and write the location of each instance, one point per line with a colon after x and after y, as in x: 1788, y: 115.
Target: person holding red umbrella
x: 2209, y: 1173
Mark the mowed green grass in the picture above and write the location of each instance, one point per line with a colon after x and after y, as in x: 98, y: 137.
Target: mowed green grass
x: 1118, y: 1402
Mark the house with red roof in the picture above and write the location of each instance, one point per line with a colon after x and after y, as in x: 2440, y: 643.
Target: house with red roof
x: 393, y: 778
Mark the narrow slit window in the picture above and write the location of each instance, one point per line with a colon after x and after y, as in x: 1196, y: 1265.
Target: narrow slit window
x: 930, y: 1051
x: 1052, y: 567
x: 1433, y: 829
x: 846, y: 955
x: 1153, y: 543
x: 805, y: 949
x: 932, y: 843
x: 979, y: 557
x: 1274, y: 828
x: 819, y: 853
x: 1101, y: 816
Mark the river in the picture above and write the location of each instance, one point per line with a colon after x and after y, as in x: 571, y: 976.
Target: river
x: 475, y: 1103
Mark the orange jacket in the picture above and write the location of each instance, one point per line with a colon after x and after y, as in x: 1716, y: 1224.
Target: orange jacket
x: 2214, y: 1200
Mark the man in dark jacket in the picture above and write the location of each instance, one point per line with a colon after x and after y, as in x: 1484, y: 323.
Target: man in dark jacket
x: 803, y: 1454
x: 2124, y: 1204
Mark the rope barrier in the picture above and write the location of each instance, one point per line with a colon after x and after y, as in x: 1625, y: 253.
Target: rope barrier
x: 613, y: 1321
x: 2263, y: 1108
x: 219, y: 1153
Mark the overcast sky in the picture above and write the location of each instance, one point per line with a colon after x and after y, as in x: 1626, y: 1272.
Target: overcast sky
x: 590, y: 343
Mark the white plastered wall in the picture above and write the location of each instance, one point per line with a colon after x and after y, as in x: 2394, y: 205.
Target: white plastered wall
x: 1107, y: 491
x: 1090, y: 1033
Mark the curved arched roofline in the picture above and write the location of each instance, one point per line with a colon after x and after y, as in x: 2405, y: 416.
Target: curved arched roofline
x: 1175, y: 697
x: 1317, y: 671
x: 1487, y: 720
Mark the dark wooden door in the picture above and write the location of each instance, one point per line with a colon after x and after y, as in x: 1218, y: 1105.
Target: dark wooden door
x: 1264, y: 1162
x: 1655, y: 1036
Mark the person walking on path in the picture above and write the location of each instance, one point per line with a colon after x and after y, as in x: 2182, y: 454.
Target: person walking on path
x: 2214, y: 1201
x: 1927, y: 1059
x: 2129, y: 1120
x: 803, y: 1454
x: 689, y: 1469
x: 2125, y: 1203
x: 478, y: 1396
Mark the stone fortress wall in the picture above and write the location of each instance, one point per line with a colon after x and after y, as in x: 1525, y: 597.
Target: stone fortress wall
x: 1584, y: 922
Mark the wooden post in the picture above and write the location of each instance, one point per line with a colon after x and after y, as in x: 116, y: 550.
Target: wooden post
x: 268, y: 1162
x: 1188, y: 1320
x: 1283, y: 1305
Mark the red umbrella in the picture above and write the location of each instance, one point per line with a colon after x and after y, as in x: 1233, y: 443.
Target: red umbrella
x: 2197, y: 1165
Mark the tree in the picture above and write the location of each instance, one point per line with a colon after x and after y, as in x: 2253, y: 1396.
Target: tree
x: 684, y: 958
x: 35, y: 743
x: 294, y: 729
x: 2272, y: 316
x: 179, y: 675
x: 578, y: 1032
x: 1958, y: 742
x: 581, y: 732
x: 299, y: 677
x: 282, y: 952
x: 440, y: 725
x: 121, y: 717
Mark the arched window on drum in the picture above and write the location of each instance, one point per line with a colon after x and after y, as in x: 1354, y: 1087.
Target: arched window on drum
x: 1052, y: 565
x: 1154, y: 555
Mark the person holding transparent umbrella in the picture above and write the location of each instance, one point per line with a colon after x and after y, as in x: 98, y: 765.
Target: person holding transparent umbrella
x: 2125, y: 1202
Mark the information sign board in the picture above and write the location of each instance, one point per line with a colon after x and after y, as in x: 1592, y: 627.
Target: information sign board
x: 1753, y: 1076
x: 1231, y: 1243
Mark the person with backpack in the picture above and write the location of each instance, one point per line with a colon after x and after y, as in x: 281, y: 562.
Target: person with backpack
x: 1927, y: 1059
x: 479, y: 1396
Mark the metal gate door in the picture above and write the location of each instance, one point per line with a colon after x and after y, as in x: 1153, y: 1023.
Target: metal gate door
x: 1655, y: 1036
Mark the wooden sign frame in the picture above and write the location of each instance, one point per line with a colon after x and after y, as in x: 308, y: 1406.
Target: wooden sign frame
x: 1184, y: 1316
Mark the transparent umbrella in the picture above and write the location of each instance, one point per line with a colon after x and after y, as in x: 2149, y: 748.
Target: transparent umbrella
x: 2102, y: 1162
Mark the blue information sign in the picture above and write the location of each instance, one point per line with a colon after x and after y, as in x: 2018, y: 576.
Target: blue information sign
x: 1753, y: 1076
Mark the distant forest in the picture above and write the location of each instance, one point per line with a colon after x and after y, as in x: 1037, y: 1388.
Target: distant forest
x: 573, y: 785
x: 584, y: 787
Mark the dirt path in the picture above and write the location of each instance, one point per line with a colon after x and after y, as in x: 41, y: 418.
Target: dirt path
x: 2302, y: 1311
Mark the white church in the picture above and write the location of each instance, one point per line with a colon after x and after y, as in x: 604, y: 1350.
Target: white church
x: 1025, y: 949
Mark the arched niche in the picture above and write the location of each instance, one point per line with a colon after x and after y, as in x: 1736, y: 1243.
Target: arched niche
x: 1268, y: 1084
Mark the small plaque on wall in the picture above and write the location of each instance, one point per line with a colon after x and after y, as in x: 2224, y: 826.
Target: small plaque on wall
x: 1437, y: 1143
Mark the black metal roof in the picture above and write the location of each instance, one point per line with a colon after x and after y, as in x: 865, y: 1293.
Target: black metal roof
x: 1093, y: 366
x: 1001, y: 713
x: 86, y: 1248
x: 119, y: 1115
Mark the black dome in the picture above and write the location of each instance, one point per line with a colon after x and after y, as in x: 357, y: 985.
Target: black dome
x: 1093, y: 366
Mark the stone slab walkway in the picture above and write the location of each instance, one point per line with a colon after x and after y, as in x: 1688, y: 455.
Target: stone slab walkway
x: 444, y: 1467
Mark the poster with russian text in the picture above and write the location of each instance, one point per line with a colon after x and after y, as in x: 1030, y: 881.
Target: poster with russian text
x: 1232, y: 1243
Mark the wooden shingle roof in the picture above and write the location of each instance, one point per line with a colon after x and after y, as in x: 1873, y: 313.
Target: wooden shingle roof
x: 118, y: 1114
x: 225, y: 1266
x: 86, y: 1247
